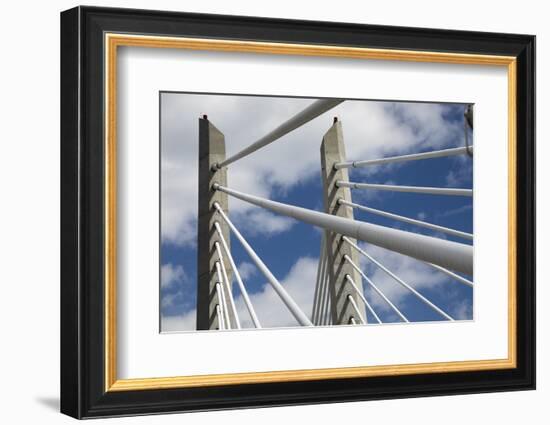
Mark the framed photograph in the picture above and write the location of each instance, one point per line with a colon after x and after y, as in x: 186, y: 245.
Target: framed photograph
x: 261, y: 212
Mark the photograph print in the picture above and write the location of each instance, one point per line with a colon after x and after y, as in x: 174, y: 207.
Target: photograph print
x: 297, y: 212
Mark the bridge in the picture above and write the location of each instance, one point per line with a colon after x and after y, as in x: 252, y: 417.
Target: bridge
x: 339, y: 295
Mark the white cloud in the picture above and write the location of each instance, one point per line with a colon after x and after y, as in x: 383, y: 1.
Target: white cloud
x: 247, y: 270
x: 300, y: 284
x: 413, y: 272
x: 184, y: 322
x: 170, y: 275
x: 455, y: 178
x: 168, y: 300
x: 463, y: 311
x: 371, y: 129
x: 456, y: 211
x: 262, y: 222
x: 461, y: 173
x: 172, y: 278
x: 271, y: 311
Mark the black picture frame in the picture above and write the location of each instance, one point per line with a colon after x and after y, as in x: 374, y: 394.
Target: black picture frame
x: 83, y: 392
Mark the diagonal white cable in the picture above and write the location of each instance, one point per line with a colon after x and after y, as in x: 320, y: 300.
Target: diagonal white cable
x: 317, y: 296
x: 220, y: 317
x: 298, y: 314
x: 409, y: 157
x: 325, y: 316
x: 399, y: 280
x: 221, y: 297
x: 326, y: 313
x: 451, y: 274
x: 451, y: 191
x: 225, y: 283
x: 309, y: 113
x: 242, y: 288
x: 356, y: 309
x: 408, y: 220
x: 452, y: 255
x: 378, y: 291
x: 358, y: 291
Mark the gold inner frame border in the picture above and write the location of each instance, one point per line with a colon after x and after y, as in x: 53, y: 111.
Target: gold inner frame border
x: 113, y: 40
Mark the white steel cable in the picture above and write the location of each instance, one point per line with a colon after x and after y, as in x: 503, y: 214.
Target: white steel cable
x: 411, y: 189
x: 220, y: 317
x: 326, y: 314
x: 378, y: 291
x: 451, y: 255
x: 298, y: 314
x: 317, y: 293
x: 221, y: 298
x: 358, y: 291
x: 399, y: 280
x: 323, y: 299
x: 356, y: 309
x: 227, y: 287
x: 242, y: 288
x: 410, y: 157
x: 453, y: 275
x: 408, y: 220
x: 309, y: 113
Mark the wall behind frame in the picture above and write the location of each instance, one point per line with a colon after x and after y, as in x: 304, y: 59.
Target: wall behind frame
x: 29, y: 219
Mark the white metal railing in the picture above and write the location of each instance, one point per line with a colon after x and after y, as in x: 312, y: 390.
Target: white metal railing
x: 451, y: 255
x: 285, y: 297
x: 410, y: 157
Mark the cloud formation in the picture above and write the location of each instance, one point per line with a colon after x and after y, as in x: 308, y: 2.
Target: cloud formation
x: 371, y: 129
x: 300, y: 284
x: 170, y: 275
x: 415, y: 273
x: 271, y: 311
x: 247, y: 270
x: 262, y: 222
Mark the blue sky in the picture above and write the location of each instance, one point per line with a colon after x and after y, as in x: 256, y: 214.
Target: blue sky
x: 289, y: 171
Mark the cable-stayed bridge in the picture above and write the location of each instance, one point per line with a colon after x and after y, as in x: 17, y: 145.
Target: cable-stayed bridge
x: 339, y: 296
